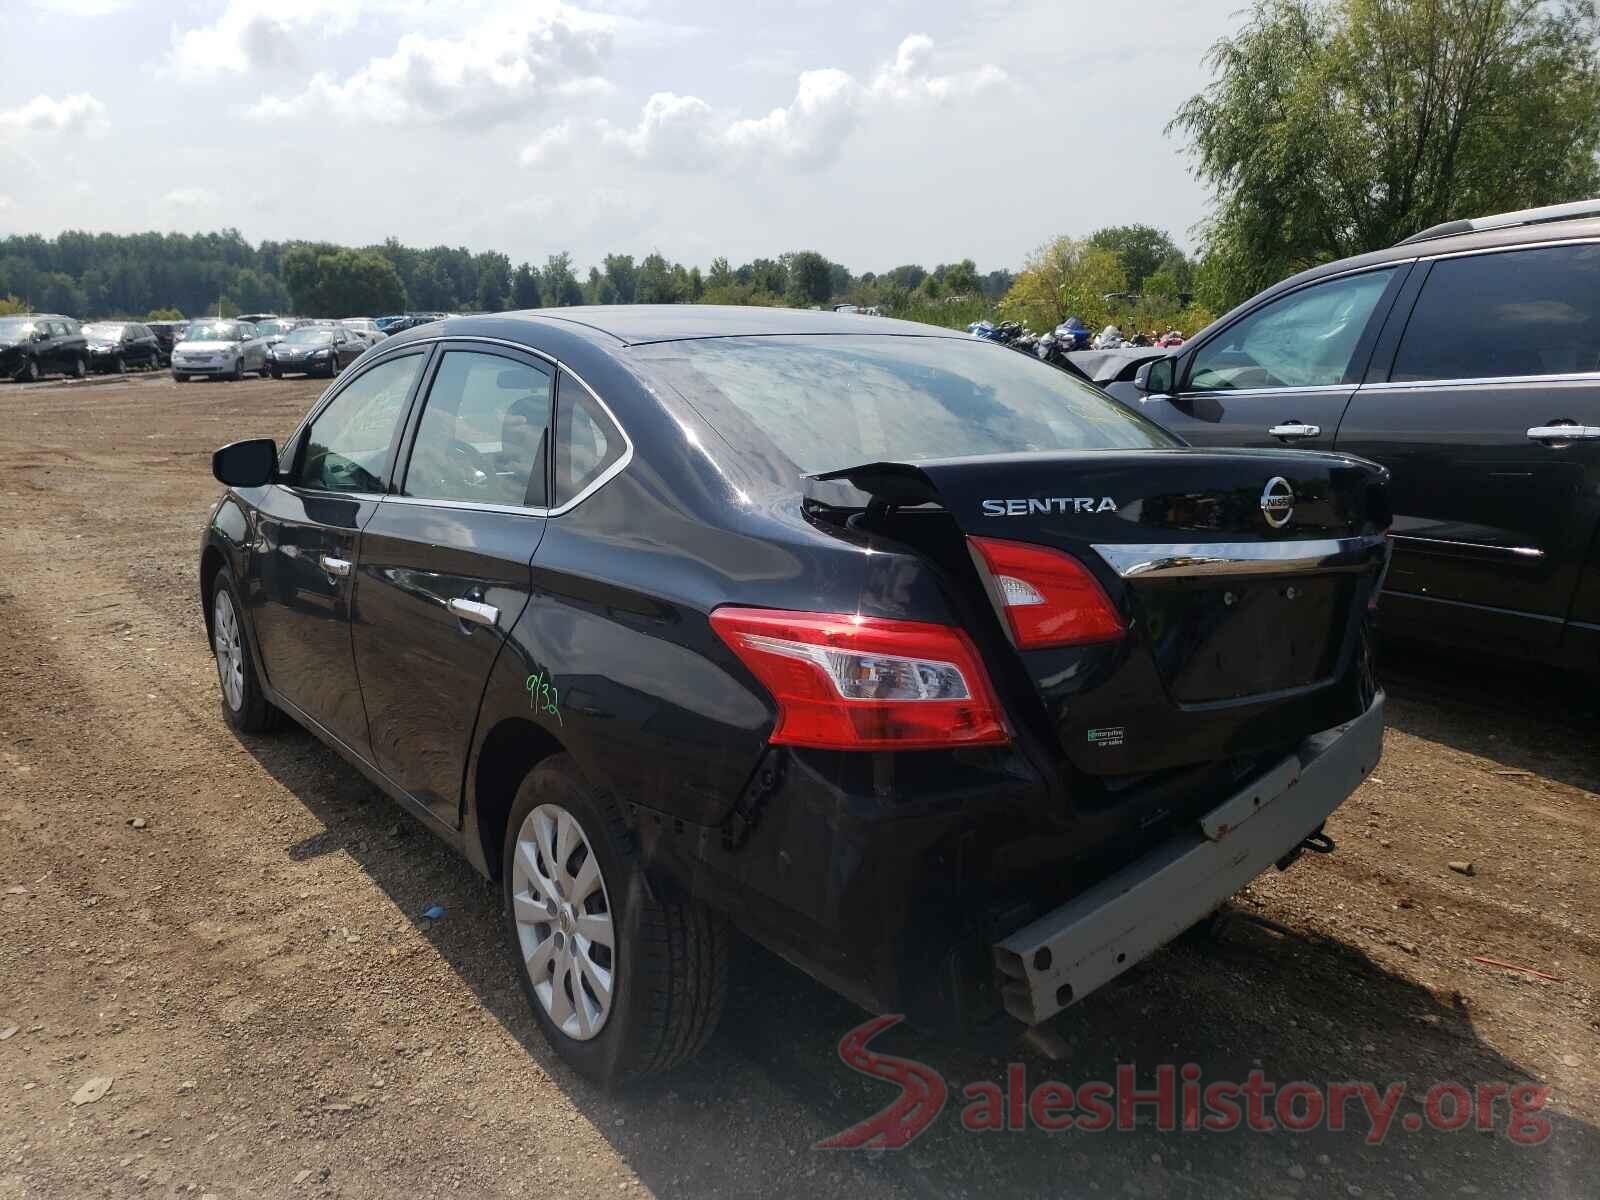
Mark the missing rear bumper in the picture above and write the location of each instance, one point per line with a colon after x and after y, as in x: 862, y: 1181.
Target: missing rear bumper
x: 1066, y: 954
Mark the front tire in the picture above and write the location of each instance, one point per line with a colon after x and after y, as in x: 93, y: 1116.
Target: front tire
x: 29, y: 372
x: 622, y: 982
x: 177, y: 378
x: 80, y: 367
x: 238, y: 370
x: 120, y: 366
x: 244, y: 705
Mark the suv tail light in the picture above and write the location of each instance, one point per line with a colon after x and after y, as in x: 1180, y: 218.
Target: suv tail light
x: 1048, y: 598
x: 846, y: 682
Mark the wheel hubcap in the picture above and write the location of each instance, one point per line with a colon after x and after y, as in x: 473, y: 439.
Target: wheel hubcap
x: 564, y: 921
x: 230, y: 655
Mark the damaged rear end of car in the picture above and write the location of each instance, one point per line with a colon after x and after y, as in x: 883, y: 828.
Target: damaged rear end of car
x: 1054, y: 686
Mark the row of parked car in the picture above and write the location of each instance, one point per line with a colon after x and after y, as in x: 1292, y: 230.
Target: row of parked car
x: 39, y: 344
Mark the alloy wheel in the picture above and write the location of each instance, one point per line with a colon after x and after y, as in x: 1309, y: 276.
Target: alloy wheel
x: 564, y: 921
x: 230, y: 654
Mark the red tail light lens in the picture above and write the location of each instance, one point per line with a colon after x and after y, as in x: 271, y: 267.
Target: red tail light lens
x: 1048, y: 598
x: 847, y: 682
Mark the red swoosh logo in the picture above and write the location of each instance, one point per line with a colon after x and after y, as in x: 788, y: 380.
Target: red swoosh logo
x: 921, y: 1099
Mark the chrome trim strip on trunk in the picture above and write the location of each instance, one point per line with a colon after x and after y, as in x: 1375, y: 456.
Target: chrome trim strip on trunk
x: 1135, y: 560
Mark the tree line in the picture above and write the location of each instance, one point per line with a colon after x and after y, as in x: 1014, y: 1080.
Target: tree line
x: 130, y: 275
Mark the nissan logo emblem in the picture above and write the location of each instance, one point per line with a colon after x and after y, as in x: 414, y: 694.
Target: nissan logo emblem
x: 1277, y: 502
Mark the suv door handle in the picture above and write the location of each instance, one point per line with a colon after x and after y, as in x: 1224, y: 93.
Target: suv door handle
x: 335, y: 566
x: 1564, y: 433
x: 477, y: 613
x: 1294, y: 429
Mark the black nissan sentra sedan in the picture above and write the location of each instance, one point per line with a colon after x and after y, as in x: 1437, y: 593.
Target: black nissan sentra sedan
x: 932, y: 668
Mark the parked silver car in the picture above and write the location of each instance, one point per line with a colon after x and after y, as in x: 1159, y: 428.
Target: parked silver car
x: 221, y: 349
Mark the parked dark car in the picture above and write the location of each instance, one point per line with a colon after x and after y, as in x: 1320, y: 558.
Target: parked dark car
x: 167, y: 334
x: 916, y: 659
x: 42, y: 344
x: 1467, y: 360
x: 117, y: 345
x: 313, y: 349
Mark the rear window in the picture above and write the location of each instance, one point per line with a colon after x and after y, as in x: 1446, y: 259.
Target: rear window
x: 838, y: 401
x: 1516, y: 312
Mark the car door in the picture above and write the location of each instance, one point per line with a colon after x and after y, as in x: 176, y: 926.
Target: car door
x: 1282, y: 373
x: 1488, y: 414
x: 346, y: 348
x: 308, y: 544
x: 252, y: 349
x: 56, y: 357
x: 445, y: 563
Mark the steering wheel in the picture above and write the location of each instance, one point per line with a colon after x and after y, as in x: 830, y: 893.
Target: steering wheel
x: 474, y: 467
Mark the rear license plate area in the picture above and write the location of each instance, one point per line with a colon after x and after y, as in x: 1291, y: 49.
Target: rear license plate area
x: 1225, y: 640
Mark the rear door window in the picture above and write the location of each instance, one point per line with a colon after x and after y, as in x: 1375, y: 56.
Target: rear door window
x: 484, y: 432
x: 1305, y: 339
x: 588, y: 442
x: 347, y: 446
x: 1516, y: 312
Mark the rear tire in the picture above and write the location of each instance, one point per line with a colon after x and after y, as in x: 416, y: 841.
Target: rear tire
x: 244, y: 705
x: 667, y: 966
x: 80, y: 367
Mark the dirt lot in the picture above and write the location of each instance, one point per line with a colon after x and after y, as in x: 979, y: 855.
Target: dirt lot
x: 250, y: 968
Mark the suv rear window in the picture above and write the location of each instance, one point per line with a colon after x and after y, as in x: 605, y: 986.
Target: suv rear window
x: 1515, y: 312
x: 837, y: 401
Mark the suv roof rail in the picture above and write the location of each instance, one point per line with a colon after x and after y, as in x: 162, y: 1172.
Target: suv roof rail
x: 1526, y: 216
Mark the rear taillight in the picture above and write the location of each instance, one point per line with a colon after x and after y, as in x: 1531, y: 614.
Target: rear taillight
x: 1048, y: 598
x: 846, y: 682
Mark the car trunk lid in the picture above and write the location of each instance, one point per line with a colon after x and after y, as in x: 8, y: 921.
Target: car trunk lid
x: 1241, y: 579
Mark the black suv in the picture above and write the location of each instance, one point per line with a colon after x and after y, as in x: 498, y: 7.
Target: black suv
x: 1467, y: 360
x: 41, y: 344
x: 922, y: 662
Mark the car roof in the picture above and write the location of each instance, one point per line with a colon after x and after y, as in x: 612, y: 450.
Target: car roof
x: 634, y: 324
x: 1433, y: 246
x: 1439, y: 245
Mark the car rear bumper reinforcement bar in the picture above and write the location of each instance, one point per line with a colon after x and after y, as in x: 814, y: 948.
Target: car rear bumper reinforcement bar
x: 1066, y: 954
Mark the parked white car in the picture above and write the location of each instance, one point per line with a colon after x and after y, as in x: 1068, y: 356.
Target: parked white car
x: 220, y: 349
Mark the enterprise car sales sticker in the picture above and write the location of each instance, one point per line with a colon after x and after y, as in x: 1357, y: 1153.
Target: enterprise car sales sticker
x: 1111, y: 735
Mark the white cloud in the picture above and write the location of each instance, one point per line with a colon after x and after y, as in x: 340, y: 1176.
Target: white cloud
x: 549, y: 148
x: 190, y: 197
x: 502, y: 68
x: 6, y: 202
x: 77, y: 113
x: 82, y: 8
x: 251, y: 36
x: 685, y: 132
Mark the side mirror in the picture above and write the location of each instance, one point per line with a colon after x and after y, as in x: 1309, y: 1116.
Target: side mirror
x: 1157, y: 377
x: 246, y: 464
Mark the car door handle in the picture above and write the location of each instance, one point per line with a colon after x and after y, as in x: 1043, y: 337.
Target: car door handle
x: 335, y: 566
x: 1294, y: 429
x: 474, y: 611
x: 1564, y: 433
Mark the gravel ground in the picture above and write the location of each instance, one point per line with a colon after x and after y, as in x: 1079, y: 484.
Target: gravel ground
x: 229, y: 931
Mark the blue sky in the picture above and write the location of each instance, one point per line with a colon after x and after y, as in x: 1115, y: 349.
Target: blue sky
x: 878, y: 134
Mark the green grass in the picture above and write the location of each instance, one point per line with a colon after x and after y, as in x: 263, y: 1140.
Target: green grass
x: 956, y: 312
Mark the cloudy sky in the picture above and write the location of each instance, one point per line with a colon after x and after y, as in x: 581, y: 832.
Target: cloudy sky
x: 878, y: 133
